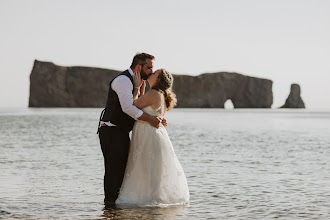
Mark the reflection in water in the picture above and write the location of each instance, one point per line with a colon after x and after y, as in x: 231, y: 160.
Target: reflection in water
x: 145, y: 212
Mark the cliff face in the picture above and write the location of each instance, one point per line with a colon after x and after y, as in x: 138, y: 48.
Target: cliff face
x: 294, y: 100
x: 214, y: 89
x: 56, y: 86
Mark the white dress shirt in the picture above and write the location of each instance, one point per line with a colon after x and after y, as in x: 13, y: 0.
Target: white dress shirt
x: 123, y: 86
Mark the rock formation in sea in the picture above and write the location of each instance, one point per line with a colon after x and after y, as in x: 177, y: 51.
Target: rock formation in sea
x: 57, y: 86
x: 294, y: 100
x: 212, y: 90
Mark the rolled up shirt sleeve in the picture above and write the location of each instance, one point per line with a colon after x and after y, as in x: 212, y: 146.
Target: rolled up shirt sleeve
x: 123, y: 87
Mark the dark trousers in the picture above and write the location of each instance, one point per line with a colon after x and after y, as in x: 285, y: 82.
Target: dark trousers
x: 115, y: 146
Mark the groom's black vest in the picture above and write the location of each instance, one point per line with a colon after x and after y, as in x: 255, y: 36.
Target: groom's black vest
x: 113, y: 111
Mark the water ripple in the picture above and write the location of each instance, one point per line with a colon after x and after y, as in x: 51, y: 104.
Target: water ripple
x: 239, y: 165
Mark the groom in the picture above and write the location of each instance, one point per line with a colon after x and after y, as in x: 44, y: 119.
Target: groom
x: 117, y: 120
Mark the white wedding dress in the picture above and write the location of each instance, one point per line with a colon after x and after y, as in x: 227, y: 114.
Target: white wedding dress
x: 154, y: 175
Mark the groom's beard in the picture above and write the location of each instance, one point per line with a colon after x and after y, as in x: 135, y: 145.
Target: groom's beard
x: 144, y: 76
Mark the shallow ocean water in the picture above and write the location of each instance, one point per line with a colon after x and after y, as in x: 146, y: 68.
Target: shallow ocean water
x: 240, y: 164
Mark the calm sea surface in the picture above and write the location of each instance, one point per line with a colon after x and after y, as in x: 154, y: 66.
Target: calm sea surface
x: 240, y: 164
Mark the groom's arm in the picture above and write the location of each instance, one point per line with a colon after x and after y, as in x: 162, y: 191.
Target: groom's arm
x: 123, y: 87
x: 152, y: 120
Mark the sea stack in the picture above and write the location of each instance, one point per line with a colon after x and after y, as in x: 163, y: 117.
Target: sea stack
x: 294, y: 100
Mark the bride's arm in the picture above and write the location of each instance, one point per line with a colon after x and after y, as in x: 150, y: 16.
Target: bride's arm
x: 143, y: 88
x: 145, y: 100
x: 135, y: 94
x: 137, y: 83
x: 138, y: 91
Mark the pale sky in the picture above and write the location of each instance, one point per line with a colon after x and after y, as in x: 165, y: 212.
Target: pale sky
x: 287, y: 41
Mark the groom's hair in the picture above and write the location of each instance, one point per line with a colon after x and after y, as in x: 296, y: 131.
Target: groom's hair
x: 140, y: 58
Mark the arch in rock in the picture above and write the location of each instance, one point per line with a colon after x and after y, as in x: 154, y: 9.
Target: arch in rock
x: 212, y: 90
x: 229, y: 104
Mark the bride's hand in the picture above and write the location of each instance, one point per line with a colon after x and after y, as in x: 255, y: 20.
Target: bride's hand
x: 137, y: 80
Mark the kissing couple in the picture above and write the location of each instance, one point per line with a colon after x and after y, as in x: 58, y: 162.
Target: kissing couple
x: 145, y: 169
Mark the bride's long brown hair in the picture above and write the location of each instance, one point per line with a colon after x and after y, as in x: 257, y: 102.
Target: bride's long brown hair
x: 164, y: 85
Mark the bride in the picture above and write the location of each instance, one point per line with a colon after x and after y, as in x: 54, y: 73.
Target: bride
x: 154, y: 175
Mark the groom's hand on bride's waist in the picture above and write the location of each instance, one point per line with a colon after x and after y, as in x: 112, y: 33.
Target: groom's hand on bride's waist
x: 152, y: 120
x: 155, y: 121
x: 164, y: 122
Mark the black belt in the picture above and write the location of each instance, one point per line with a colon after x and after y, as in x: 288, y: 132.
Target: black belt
x: 98, y: 127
